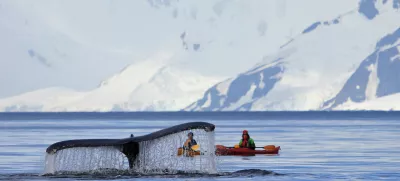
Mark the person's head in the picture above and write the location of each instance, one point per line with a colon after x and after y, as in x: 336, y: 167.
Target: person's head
x: 190, y: 135
x: 245, y: 135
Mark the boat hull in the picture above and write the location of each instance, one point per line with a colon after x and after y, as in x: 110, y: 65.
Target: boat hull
x: 224, y: 151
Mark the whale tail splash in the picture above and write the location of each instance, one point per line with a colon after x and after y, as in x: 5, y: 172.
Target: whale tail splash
x: 153, y: 152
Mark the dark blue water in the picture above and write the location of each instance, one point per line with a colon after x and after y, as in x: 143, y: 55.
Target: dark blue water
x: 315, y: 145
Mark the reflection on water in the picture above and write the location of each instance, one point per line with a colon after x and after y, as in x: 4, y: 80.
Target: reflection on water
x: 311, y: 150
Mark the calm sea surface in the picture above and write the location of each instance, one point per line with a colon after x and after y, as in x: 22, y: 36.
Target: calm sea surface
x: 315, y: 146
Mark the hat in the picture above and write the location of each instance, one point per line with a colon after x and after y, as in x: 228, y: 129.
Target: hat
x: 245, y: 132
x: 190, y: 133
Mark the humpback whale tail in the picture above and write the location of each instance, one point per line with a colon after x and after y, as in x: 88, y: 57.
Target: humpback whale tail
x: 154, y: 151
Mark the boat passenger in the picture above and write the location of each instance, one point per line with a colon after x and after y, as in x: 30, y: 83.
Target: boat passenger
x: 246, y: 141
x: 189, y: 142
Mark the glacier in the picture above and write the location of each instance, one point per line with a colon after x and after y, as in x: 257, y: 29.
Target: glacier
x: 198, y: 55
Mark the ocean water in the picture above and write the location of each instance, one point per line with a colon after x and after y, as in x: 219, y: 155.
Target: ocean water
x: 314, y: 146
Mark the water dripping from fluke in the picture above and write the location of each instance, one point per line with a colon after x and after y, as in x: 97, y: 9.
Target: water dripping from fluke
x: 154, y: 153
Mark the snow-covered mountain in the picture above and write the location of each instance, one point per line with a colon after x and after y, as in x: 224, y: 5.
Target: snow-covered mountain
x: 353, y: 57
x: 147, y: 85
x: 377, y: 76
x: 386, y: 103
x: 304, y: 52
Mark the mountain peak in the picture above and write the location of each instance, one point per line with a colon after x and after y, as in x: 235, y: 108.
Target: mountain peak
x: 372, y: 8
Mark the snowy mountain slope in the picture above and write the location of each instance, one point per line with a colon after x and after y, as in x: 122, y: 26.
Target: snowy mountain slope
x: 146, y: 85
x: 44, y: 99
x: 377, y: 76
x: 387, y: 103
x: 44, y: 44
x: 118, y: 88
x: 316, y: 64
x: 239, y: 33
x: 169, y: 89
x: 235, y: 92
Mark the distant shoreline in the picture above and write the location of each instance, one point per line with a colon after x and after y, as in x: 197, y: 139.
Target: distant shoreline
x: 217, y: 115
